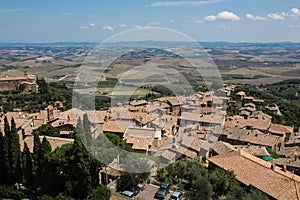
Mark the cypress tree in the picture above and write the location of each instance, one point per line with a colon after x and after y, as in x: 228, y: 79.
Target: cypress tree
x: 82, y: 183
x: 6, y: 147
x: 27, y: 166
x: 5, y: 160
x: 87, y: 129
x: 14, y: 154
x: 36, y: 157
x: 36, y: 147
x: 2, y: 167
x: 11, y: 152
x: 45, y: 148
x: 80, y: 131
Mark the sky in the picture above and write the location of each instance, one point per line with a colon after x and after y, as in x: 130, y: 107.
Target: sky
x: 202, y: 20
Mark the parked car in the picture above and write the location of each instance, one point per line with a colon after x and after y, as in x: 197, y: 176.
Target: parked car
x: 165, y: 186
x: 127, y: 193
x: 134, y: 189
x: 162, y: 191
x: 177, y: 195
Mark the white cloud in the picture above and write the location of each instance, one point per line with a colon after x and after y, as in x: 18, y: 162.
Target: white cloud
x: 155, y: 23
x: 170, y: 21
x: 210, y: 18
x: 109, y: 28
x: 122, y: 25
x: 92, y: 24
x: 228, y: 16
x: 255, y: 18
x: 83, y: 27
x: 12, y: 10
x: 295, y: 12
x: 223, y: 27
x: 181, y: 3
x: 138, y: 26
x: 278, y: 16
x: 225, y: 15
x: 68, y: 14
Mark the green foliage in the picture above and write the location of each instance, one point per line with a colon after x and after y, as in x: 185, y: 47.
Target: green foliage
x: 290, y: 109
x: 47, y: 130
x: 70, y: 170
x: 132, y: 164
x: 200, y: 189
x: 43, y: 86
x: 87, y: 130
x: 118, y: 141
x: 48, y: 94
x: 10, y: 193
x: 202, y: 183
x: 100, y: 193
x: 12, y: 153
x: 273, y: 154
x: 27, y: 166
x: 2, y: 166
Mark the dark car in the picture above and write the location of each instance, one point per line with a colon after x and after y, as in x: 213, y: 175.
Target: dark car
x: 177, y: 195
x: 162, y: 191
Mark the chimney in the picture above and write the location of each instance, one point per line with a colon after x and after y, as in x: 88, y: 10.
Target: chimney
x: 284, y: 168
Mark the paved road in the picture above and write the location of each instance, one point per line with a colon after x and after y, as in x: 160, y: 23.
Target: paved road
x: 149, y: 192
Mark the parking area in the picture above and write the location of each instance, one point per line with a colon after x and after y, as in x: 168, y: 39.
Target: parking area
x: 149, y: 192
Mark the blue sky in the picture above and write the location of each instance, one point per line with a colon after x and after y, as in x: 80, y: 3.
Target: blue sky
x: 203, y: 20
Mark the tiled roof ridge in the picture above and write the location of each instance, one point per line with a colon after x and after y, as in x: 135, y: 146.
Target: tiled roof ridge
x: 268, y: 165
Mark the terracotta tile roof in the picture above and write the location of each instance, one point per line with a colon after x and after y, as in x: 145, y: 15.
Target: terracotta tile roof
x: 181, y: 150
x: 280, y: 129
x: 248, y: 108
x: 221, y: 147
x: 217, y: 100
x: 174, y: 101
x: 138, y: 102
x: 230, y: 87
x: 241, y: 93
x: 188, y: 116
x: 250, y: 105
x: 166, y: 154
x: 244, y: 112
x: 213, y: 119
x: 55, y: 142
x: 288, y: 151
x: 251, y: 170
x: 114, y: 126
x: 258, y: 123
x: 251, y: 136
x: 258, y: 151
x: 101, y: 115
x: 206, y: 110
x: 289, y: 162
x: 192, y: 143
x: 141, y: 138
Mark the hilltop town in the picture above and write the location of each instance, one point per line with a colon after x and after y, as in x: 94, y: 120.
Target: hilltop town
x: 259, y: 152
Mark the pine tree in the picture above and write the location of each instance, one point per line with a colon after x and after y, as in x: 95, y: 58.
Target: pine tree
x: 27, y: 166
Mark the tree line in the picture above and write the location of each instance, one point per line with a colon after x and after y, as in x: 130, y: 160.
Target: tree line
x: 68, y: 172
